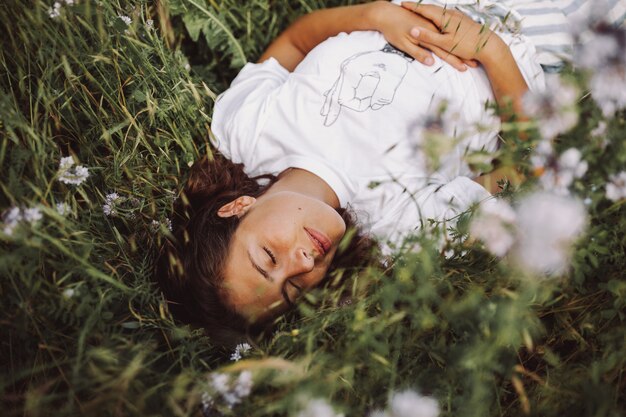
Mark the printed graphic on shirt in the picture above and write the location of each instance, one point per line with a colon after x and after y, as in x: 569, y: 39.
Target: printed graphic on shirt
x: 367, y: 80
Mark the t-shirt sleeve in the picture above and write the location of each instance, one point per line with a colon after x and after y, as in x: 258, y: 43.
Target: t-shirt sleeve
x: 240, y: 111
x: 527, y: 60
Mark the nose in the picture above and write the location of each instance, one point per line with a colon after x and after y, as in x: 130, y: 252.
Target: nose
x: 300, y: 262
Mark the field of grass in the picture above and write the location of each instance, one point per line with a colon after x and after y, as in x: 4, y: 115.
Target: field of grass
x: 126, y: 88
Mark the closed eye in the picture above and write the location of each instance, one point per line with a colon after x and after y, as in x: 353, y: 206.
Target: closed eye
x: 270, y: 254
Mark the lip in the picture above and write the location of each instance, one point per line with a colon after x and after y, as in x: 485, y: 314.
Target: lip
x: 319, y: 239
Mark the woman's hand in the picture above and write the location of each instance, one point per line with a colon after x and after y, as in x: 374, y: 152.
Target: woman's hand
x: 455, y: 33
x: 396, y: 23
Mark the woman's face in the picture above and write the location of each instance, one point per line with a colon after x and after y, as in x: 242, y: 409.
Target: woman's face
x: 283, y: 246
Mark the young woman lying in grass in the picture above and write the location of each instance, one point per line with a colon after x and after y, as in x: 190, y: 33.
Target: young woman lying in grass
x: 329, y: 125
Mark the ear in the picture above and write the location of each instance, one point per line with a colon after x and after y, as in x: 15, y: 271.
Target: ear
x: 238, y: 207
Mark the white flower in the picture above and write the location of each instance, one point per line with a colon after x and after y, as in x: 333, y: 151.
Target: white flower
x: 155, y: 225
x: 110, y: 200
x: 568, y: 167
x: 32, y: 215
x: 10, y: 219
x: 220, y: 382
x: 608, y: 88
x: 240, y: 350
x: 616, y: 188
x: 232, y: 393
x: 63, y: 209
x: 243, y: 385
x: 70, y: 174
x: 69, y: 292
x: 554, y: 108
x: 410, y: 404
x: 207, y: 403
x: 599, y: 130
x: 494, y: 226
x: 318, y: 408
x: 597, y: 51
x: 547, y: 227
x: 125, y: 19
x: 55, y: 10
x: 379, y: 413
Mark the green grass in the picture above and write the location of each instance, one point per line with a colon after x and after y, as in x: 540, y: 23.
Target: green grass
x: 477, y: 334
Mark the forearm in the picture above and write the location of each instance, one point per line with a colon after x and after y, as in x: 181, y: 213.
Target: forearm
x: 308, y: 31
x: 506, y: 79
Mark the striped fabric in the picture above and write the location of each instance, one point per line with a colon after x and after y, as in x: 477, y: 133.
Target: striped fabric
x: 550, y: 24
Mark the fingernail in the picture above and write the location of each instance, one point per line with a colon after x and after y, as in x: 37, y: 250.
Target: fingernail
x: 415, y: 32
x: 429, y: 61
x: 463, y: 67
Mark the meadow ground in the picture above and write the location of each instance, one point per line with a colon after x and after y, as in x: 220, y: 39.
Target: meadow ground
x: 104, y: 105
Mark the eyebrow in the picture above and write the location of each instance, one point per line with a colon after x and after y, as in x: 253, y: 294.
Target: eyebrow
x: 258, y: 268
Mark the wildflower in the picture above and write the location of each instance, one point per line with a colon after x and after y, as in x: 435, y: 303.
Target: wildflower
x: 70, y: 174
x: 547, y: 226
x: 55, y: 10
x: 10, y: 219
x: 601, y: 53
x: 125, y: 19
x: 411, y: 404
x: 616, y: 188
x: 608, y: 88
x: 230, y: 392
x: 32, y: 215
x: 561, y: 174
x: 554, y: 108
x: 599, y: 130
x: 207, y: 404
x: 240, y: 350
x: 62, y: 208
x: 109, y: 204
x: 68, y: 292
x: 494, y: 225
x: 318, y: 408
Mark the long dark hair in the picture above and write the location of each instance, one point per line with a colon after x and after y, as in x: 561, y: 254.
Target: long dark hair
x: 189, y: 266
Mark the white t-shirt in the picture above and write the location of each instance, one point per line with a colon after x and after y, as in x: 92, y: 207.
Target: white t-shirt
x: 354, y: 113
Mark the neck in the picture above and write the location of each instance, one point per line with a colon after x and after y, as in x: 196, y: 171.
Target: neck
x: 307, y: 183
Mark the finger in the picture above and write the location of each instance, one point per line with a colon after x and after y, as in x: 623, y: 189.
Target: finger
x: 433, y: 13
x: 471, y: 63
x: 426, y: 36
x: 419, y: 53
x: 451, y: 59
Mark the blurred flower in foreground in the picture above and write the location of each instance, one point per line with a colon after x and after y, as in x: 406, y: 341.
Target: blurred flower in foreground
x: 55, y: 10
x: 616, y: 188
x: 10, y: 220
x: 409, y: 404
x: 125, y: 19
x: 63, y: 209
x: 318, y: 408
x: 226, y: 391
x: 32, y: 215
x: 240, y: 350
x: 547, y: 225
x: 69, y: 173
x: 557, y: 175
x: 602, y: 53
x: 554, y: 109
x: 540, y: 232
x: 494, y: 225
